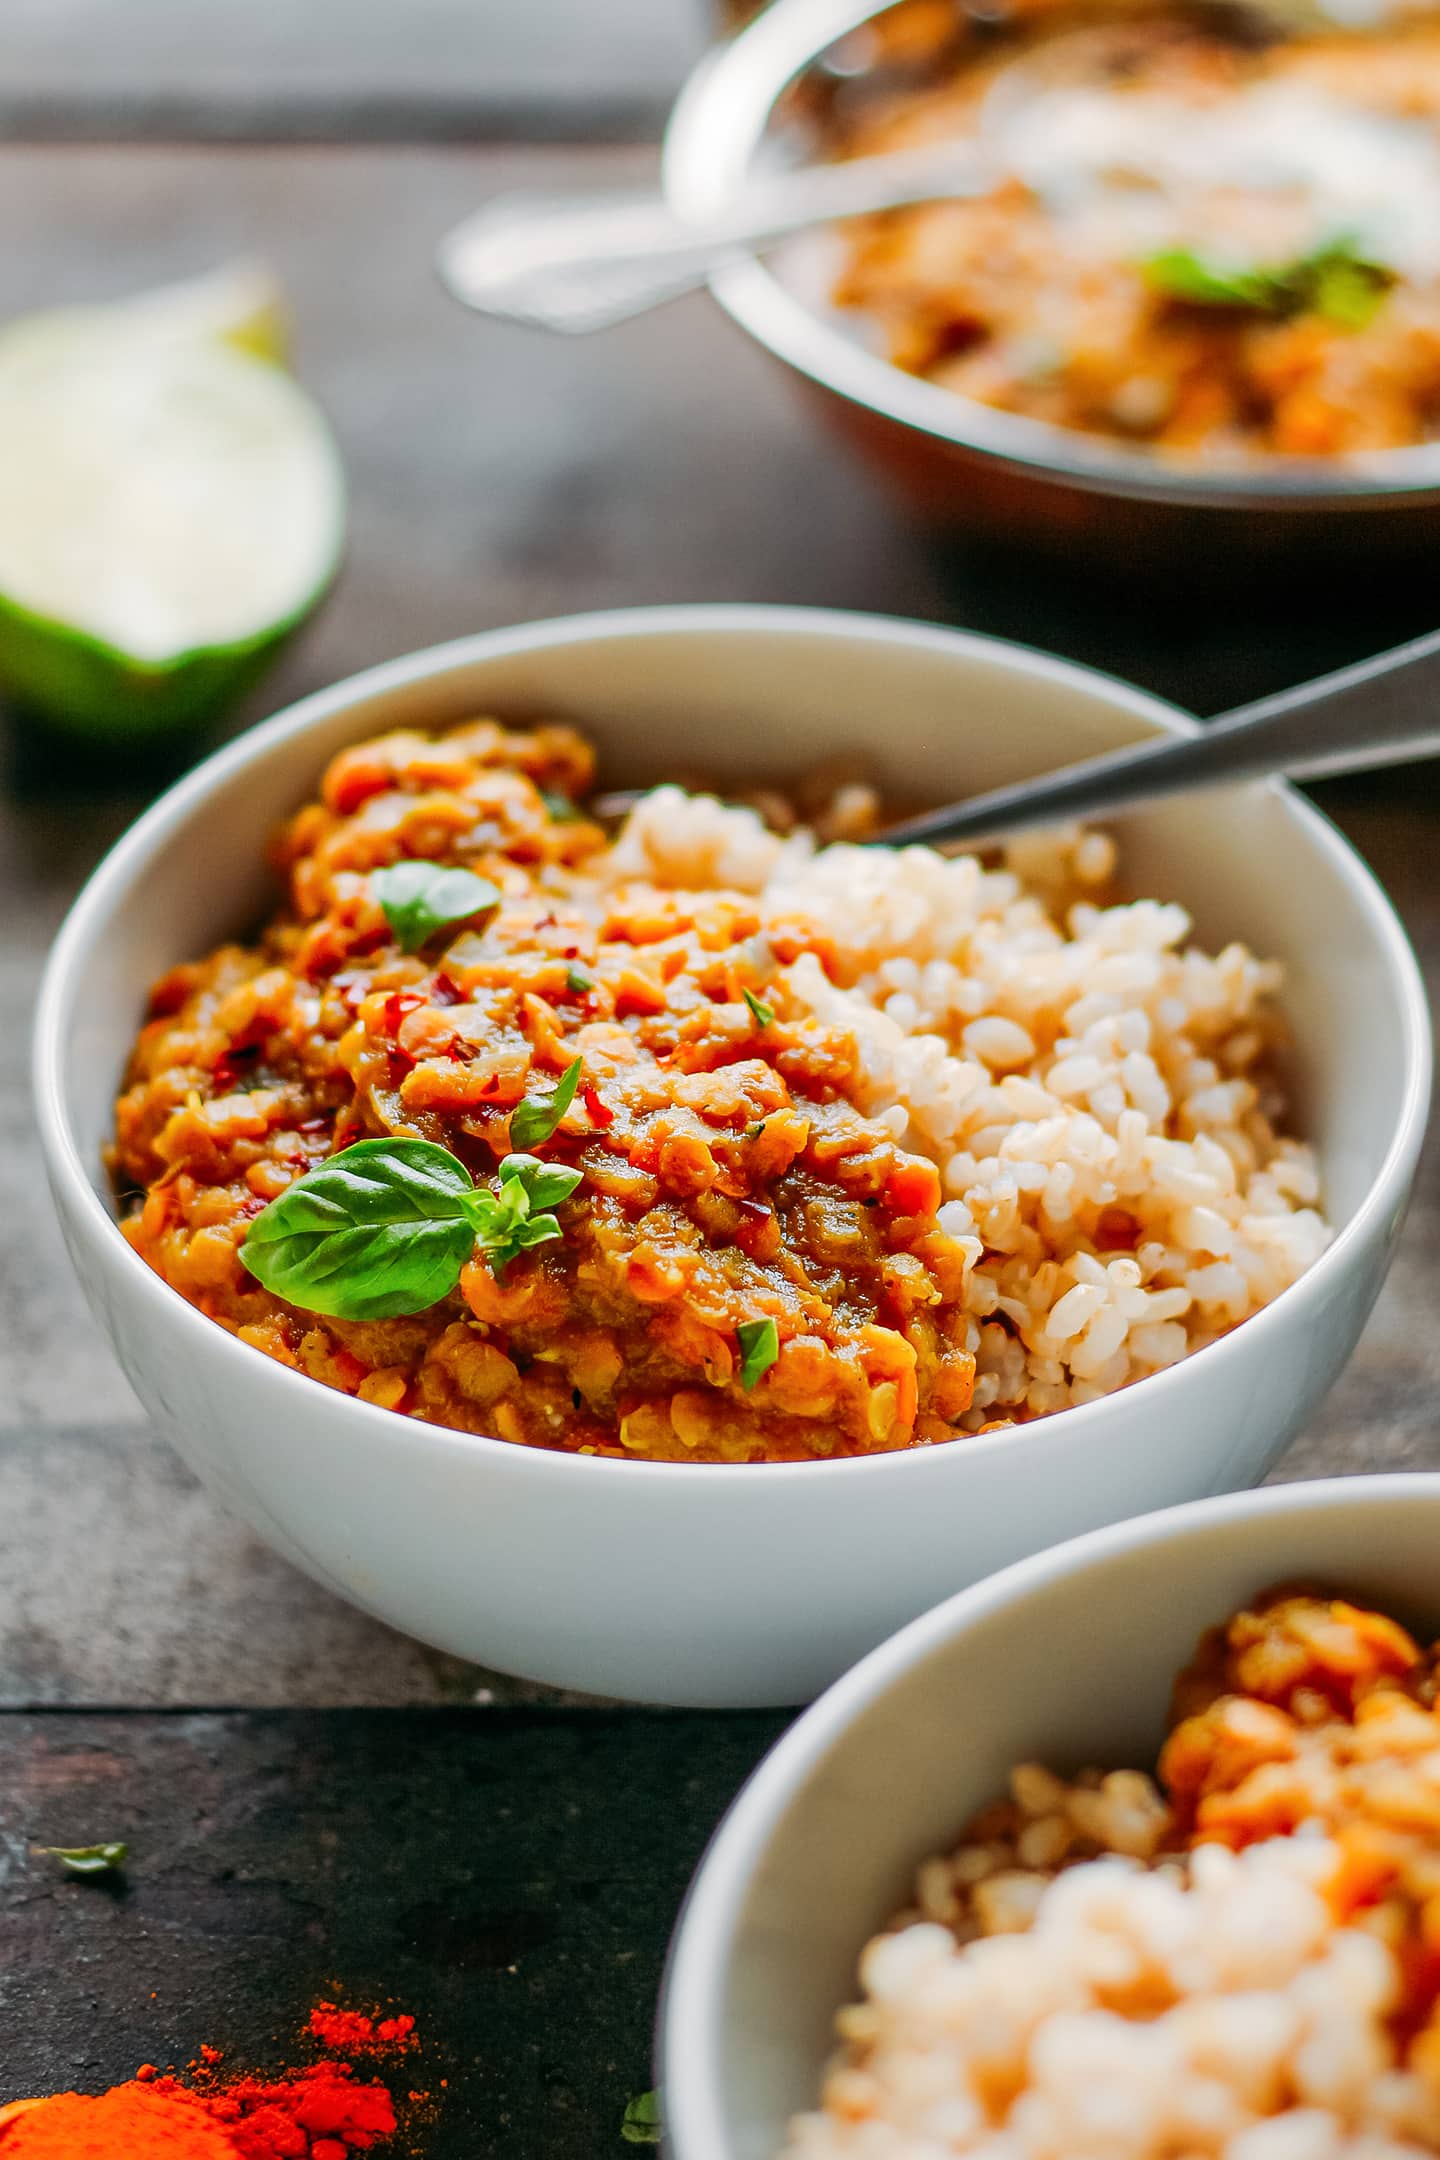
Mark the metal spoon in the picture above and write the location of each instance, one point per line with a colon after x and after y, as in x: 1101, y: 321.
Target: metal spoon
x: 1382, y: 711
x: 581, y: 262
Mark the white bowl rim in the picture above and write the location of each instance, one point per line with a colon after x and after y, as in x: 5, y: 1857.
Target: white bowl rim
x: 84, y: 927
x: 689, y: 2024
x: 715, y: 127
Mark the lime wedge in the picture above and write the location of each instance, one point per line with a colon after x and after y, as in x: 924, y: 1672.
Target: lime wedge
x: 171, y: 506
x: 240, y: 303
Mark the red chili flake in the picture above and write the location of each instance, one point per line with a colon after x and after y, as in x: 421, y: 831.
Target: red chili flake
x: 601, y: 1118
x: 445, y: 992
x: 398, y: 1004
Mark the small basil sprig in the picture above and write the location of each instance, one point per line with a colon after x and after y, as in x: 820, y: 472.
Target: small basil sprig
x: 420, y: 898
x: 520, y: 1214
x: 759, y: 1342
x: 385, y: 1227
x: 88, y: 1859
x: 535, y: 1119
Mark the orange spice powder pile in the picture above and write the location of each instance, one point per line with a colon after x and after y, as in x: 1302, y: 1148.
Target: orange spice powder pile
x: 321, y: 2112
x: 132, y: 2119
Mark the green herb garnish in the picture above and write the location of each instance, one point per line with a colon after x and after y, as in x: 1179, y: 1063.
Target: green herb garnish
x: 521, y: 1217
x: 385, y: 1227
x: 641, y: 2125
x: 420, y: 898
x: 88, y: 1859
x: 763, y: 1013
x: 753, y: 1132
x: 1183, y: 275
x: 1337, y: 280
x: 536, y: 1118
x: 578, y: 979
x: 759, y: 1342
x: 1349, y: 291
x: 560, y: 807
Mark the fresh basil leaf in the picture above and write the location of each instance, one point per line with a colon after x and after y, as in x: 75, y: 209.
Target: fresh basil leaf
x: 381, y: 1229
x: 759, y: 1342
x: 1185, y: 275
x: 546, y: 1184
x: 1349, y: 292
x: 88, y: 1859
x: 420, y: 898
x: 535, y: 1230
x: 560, y: 807
x: 536, y: 1118
x: 764, y: 1014
x: 578, y: 979
x: 528, y: 1187
x: 641, y: 2124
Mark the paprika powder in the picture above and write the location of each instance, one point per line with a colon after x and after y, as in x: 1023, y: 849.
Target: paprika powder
x: 351, y: 2032
x: 323, y: 2112
x: 133, y: 2119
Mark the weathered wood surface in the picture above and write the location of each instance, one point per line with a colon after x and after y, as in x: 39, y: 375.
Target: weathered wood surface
x: 510, y: 1880
x: 497, y: 476
x: 326, y: 70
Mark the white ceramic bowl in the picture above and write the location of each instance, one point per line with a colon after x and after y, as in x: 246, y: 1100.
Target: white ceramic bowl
x: 1066, y: 1659
x: 731, y: 1584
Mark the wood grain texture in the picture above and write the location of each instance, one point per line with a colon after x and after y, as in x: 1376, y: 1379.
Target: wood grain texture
x: 510, y: 1880
x: 497, y: 476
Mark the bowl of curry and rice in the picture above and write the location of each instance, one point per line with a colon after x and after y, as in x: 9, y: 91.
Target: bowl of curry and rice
x: 1132, y: 1851
x: 691, y: 1236
x: 1185, y: 291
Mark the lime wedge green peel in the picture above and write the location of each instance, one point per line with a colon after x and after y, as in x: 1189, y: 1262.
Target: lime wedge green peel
x: 171, y: 505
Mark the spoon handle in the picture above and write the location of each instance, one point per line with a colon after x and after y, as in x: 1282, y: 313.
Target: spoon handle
x: 1382, y: 711
x: 579, y: 262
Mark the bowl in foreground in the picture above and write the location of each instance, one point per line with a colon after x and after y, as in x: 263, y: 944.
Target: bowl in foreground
x: 732, y: 1584
x: 1067, y: 1659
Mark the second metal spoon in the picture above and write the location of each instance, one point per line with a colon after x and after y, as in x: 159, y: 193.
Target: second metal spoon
x: 581, y: 262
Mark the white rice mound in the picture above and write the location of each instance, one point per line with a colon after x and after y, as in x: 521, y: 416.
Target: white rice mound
x: 1142, y: 2016
x: 1056, y: 1057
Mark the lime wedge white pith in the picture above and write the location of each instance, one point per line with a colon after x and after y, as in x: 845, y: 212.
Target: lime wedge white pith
x: 171, y: 505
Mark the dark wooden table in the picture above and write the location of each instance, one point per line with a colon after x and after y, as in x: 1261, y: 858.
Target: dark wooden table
x: 310, y: 1796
